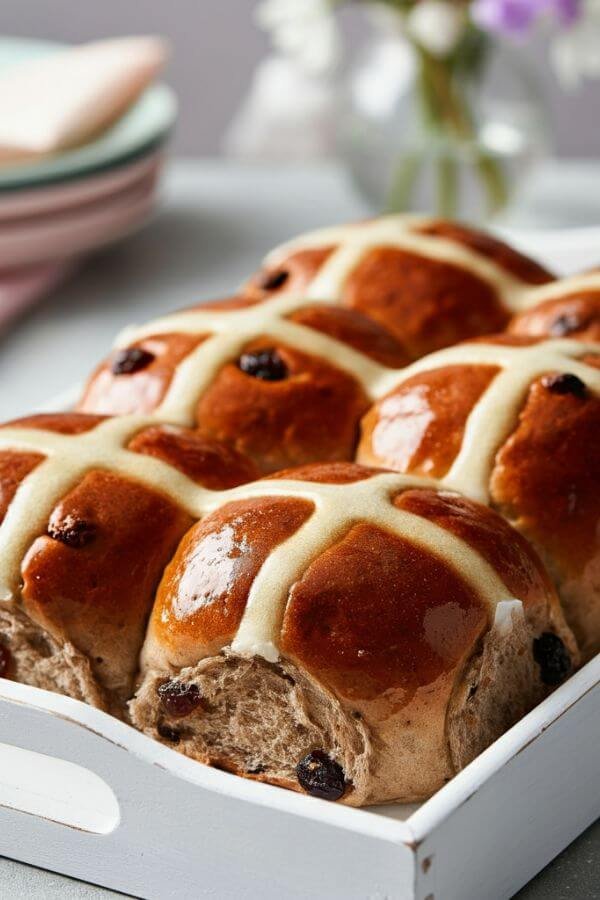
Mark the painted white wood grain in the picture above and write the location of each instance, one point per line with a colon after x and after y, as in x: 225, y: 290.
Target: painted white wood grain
x: 520, y: 804
x: 55, y: 789
x: 186, y: 830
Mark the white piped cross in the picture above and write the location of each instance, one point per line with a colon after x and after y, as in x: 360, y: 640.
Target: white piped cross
x: 336, y: 508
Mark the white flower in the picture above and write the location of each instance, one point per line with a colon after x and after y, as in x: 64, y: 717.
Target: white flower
x: 302, y: 29
x: 576, y: 51
x: 436, y: 25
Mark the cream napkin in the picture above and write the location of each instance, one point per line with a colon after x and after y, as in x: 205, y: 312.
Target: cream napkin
x: 61, y: 100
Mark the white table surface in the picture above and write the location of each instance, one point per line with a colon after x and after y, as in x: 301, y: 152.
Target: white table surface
x: 216, y: 223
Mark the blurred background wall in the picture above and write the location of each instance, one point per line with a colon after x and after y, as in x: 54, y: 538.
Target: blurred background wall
x: 216, y: 47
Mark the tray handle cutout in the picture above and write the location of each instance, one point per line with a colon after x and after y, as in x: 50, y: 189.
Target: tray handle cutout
x: 56, y: 790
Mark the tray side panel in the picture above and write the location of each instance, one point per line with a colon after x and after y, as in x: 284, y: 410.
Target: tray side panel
x: 522, y: 817
x: 177, y: 840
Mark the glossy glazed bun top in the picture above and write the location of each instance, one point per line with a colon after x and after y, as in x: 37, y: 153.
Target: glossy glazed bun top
x: 269, y: 378
x: 373, y: 604
x: 91, y: 511
x: 514, y: 422
x: 428, y: 282
x: 311, y: 340
x: 339, y: 568
x: 568, y: 308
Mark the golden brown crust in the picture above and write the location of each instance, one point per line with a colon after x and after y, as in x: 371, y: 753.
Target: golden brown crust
x: 419, y: 426
x: 369, y: 621
x: 98, y: 596
x: 59, y: 423
x: 522, y: 267
x: 547, y: 482
x: 559, y: 498
x: 425, y: 303
x: 203, y: 459
x: 356, y: 330
x: 139, y: 391
x: 507, y: 340
x: 575, y: 315
x: 286, y: 422
x: 290, y: 276
x: 235, y: 302
x: 14, y: 467
x: 546, y: 476
x: 203, y: 594
x: 329, y: 473
x: 509, y: 554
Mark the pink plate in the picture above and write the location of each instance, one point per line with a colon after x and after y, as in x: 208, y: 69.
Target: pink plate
x: 68, y: 232
x: 16, y: 204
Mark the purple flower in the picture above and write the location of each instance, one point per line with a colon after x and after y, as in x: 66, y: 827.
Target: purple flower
x: 516, y: 17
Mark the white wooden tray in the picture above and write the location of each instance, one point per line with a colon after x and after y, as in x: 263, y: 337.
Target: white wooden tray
x: 108, y: 805
x: 83, y: 794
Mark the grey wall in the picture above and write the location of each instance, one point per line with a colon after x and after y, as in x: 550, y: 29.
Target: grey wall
x: 215, y: 49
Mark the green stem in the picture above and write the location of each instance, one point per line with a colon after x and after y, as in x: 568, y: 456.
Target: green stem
x: 403, y: 182
x: 493, y: 180
x: 446, y: 112
x: 447, y: 186
x: 447, y: 109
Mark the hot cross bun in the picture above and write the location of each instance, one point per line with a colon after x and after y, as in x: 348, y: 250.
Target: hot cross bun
x: 354, y: 633
x: 87, y: 530
x: 428, y: 282
x: 513, y: 422
x: 271, y: 370
x: 298, y: 631
x: 282, y: 381
x: 363, y: 624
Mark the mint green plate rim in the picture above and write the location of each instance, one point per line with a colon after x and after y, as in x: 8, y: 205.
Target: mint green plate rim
x: 143, y: 128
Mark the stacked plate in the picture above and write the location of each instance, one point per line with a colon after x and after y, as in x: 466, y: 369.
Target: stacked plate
x: 55, y: 209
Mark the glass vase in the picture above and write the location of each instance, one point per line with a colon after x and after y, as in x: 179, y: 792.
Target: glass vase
x: 419, y: 134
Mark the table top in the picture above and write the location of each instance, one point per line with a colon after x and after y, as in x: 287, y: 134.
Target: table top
x: 216, y: 222
x: 214, y: 227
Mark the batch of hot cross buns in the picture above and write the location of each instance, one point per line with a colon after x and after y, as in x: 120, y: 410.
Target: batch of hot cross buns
x: 337, y: 532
